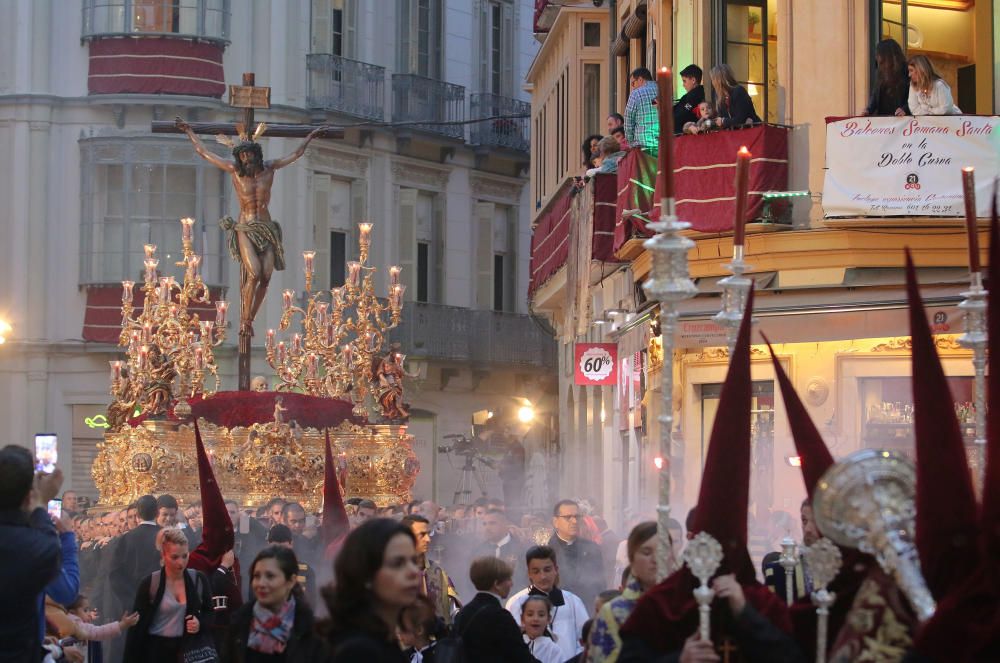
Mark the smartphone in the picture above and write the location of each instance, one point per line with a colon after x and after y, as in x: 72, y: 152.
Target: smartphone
x: 55, y: 508
x: 46, y: 452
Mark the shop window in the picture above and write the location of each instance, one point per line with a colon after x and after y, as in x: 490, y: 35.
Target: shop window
x: 887, y: 411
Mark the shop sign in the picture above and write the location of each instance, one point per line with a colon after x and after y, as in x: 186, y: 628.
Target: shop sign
x: 700, y: 333
x: 908, y: 166
x: 596, y: 363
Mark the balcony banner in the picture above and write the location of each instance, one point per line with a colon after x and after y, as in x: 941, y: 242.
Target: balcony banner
x: 596, y: 364
x: 908, y: 166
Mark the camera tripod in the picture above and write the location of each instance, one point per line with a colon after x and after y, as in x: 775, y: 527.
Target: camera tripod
x: 470, y: 473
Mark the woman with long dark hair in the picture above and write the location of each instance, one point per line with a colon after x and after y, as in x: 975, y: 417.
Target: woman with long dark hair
x: 277, y: 624
x: 376, y: 575
x: 733, y: 105
x: 892, y: 84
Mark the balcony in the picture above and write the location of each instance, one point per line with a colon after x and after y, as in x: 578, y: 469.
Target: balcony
x: 203, y: 20
x: 424, y: 103
x: 346, y: 86
x: 505, y: 121
x: 450, y: 333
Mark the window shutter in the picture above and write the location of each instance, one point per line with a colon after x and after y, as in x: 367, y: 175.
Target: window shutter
x: 321, y: 27
x: 407, y: 236
x: 484, y: 255
x: 321, y: 230
x: 350, y: 27
x: 507, y: 50
x: 437, y: 255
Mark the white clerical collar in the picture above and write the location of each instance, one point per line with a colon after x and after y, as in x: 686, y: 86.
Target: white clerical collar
x: 502, y: 542
x: 147, y: 522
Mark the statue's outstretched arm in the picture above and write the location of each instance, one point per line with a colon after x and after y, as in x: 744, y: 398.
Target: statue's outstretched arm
x: 199, y: 147
x: 294, y: 156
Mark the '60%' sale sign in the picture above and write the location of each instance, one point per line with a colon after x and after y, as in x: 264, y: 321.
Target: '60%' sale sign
x: 596, y: 363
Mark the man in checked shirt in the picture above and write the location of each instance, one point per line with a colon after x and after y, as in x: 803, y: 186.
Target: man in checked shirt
x: 642, y: 124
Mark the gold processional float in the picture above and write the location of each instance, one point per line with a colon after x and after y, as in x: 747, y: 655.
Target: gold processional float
x: 333, y: 371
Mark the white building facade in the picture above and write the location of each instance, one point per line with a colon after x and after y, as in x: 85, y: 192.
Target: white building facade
x: 89, y: 183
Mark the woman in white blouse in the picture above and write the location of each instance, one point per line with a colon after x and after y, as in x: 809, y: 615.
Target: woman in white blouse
x: 929, y: 94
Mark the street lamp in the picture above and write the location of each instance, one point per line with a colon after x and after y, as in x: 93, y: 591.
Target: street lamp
x: 5, y: 330
x: 526, y: 414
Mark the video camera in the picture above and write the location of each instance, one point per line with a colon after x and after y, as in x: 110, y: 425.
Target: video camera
x: 465, y: 446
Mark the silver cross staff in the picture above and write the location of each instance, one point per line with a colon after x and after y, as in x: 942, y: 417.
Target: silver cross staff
x: 703, y: 556
x: 823, y: 561
x: 787, y: 562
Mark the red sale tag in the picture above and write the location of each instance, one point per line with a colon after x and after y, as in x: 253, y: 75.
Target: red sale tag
x: 596, y: 363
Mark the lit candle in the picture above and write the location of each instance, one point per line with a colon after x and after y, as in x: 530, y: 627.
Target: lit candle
x: 348, y: 354
x: 969, y: 193
x: 220, y: 313
x: 370, y: 337
x: 147, y: 332
x: 396, y: 296
x: 337, y: 295
x: 164, y: 289
x: 296, y: 343
x: 281, y: 352
x: 308, y: 257
x: 135, y: 336
x: 742, y: 183
x: 199, y: 358
x: 270, y: 339
x: 354, y: 273
x: 187, y: 225
x: 192, y: 267
x: 394, y: 272
x: 116, y: 370
x: 150, y: 250
x: 321, y: 313
x: 143, y: 353
x: 665, y: 151
x: 127, y: 291
x: 151, y: 264
x: 172, y: 310
x: 365, y: 229
x: 207, y: 327
x: 312, y: 365
x: 286, y: 299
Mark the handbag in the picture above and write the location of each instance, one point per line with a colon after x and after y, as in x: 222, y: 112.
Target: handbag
x: 198, y: 648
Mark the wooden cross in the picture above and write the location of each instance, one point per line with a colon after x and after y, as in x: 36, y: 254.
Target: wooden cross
x: 248, y: 97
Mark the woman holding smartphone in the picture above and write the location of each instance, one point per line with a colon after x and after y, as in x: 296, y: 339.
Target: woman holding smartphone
x: 172, y: 603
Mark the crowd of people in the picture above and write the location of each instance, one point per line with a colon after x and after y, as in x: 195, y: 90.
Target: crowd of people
x: 902, y: 87
x: 148, y: 583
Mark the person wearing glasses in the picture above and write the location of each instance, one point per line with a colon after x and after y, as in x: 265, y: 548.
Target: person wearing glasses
x: 581, y: 564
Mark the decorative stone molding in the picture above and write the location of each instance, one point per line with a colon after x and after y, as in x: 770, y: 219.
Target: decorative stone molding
x: 905, y: 344
x: 338, y: 162
x: 494, y: 189
x: 419, y: 175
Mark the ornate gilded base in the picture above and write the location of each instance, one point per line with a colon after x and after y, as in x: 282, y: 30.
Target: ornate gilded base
x: 253, y: 464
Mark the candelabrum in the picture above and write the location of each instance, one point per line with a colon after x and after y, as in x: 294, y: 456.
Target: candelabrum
x: 975, y: 338
x: 168, y: 348
x: 670, y: 284
x: 735, y: 289
x: 336, y: 350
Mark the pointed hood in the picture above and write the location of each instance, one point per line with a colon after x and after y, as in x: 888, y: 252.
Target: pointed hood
x: 217, y: 536
x: 335, y: 525
x: 813, y: 455
x: 991, y: 477
x: 666, y: 615
x: 946, y: 504
x: 724, y: 498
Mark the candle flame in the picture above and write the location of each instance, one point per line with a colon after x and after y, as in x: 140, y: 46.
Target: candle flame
x: 968, y: 169
x: 744, y: 151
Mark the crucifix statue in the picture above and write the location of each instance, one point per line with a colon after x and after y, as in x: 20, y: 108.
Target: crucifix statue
x: 254, y: 238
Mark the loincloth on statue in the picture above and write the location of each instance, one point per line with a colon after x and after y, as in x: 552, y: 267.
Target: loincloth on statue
x: 262, y: 234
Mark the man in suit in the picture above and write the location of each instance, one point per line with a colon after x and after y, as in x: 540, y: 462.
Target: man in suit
x: 133, y: 557
x: 774, y: 572
x: 581, y: 564
x: 500, y: 543
x: 489, y: 633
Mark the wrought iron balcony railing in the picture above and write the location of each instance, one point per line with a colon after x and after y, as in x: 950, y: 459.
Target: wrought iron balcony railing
x: 505, y: 121
x: 346, y: 86
x: 426, y: 104
x: 449, y: 333
x: 192, y: 19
